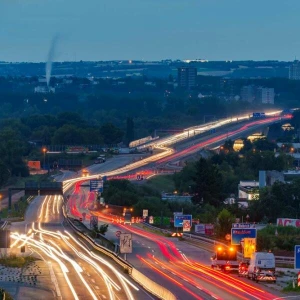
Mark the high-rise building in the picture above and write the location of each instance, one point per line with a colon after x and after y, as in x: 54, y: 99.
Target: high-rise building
x: 265, y: 95
x: 248, y: 93
x: 187, y: 77
x: 294, y: 70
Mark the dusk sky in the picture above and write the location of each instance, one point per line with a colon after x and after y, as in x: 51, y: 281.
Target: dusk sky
x: 150, y: 29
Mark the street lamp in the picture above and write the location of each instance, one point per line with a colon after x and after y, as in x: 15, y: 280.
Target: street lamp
x: 0, y: 202
x: 44, y: 151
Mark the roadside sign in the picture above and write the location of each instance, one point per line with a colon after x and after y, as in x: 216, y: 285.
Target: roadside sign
x: 126, y: 243
x: 237, y: 234
x: 242, y: 225
x: 118, y: 233
x: 93, y: 221
x: 145, y: 213
x: 151, y: 220
x: 186, y: 225
x: 96, y: 185
x: 249, y: 247
x: 178, y: 220
x: 297, y: 257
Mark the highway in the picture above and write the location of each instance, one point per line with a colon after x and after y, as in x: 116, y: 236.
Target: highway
x: 77, y: 272
x: 182, y: 268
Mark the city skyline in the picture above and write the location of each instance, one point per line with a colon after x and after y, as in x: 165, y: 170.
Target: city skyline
x: 149, y: 30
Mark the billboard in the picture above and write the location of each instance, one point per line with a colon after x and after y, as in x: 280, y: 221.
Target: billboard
x: 178, y: 220
x: 288, y: 222
x: 34, y: 164
x: 207, y: 229
x: 238, y: 234
x: 186, y: 225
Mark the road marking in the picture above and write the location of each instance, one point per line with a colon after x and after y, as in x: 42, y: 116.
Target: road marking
x: 93, y: 280
x: 96, y: 287
x: 104, y: 296
x: 88, y: 274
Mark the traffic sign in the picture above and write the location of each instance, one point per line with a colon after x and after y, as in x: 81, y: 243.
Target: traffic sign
x: 118, y: 233
x: 96, y: 185
x: 242, y: 225
x: 297, y: 257
x: 93, y: 221
x: 178, y: 220
x: 237, y: 234
x: 126, y: 243
x: 151, y: 220
x: 249, y: 247
x: 145, y: 213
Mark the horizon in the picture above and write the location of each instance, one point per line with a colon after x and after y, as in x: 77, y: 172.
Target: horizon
x: 148, y: 30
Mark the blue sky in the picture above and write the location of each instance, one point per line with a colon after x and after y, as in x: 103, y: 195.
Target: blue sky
x: 150, y: 29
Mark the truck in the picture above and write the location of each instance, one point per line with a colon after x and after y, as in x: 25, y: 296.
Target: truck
x: 262, y: 267
x: 225, y: 259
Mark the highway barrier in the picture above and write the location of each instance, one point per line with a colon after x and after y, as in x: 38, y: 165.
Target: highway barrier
x: 151, y: 286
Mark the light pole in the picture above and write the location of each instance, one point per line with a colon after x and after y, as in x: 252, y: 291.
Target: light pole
x: 0, y: 202
x: 44, y: 151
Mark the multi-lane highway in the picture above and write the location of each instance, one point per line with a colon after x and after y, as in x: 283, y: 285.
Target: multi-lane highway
x: 181, y: 268
x: 76, y: 271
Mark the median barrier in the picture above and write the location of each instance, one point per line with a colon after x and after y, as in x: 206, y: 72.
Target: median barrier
x: 151, y: 286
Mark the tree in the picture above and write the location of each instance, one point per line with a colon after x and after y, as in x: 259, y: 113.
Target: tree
x: 111, y: 134
x: 129, y: 131
x: 208, y: 184
x: 224, y: 223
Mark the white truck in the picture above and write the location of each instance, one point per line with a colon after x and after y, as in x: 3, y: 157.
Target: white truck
x: 262, y: 267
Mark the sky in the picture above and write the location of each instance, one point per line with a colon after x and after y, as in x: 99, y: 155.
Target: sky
x: 95, y: 30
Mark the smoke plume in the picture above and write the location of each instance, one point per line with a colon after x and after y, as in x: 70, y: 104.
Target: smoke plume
x: 50, y: 58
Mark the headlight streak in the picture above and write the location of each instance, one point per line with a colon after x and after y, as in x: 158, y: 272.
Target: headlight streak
x: 108, y: 281
x: 60, y: 253
x: 117, y: 273
x: 45, y: 248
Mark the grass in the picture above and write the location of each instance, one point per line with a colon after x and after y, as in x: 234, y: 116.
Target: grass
x: 162, y: 183
x: 152, y: 230
x: 18, y: 209
x: 14, y: 261
x: 290, y: 288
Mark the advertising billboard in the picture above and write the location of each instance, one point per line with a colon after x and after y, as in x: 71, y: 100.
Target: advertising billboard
x: 207, y: 229
x: 238, y: 234
x: 34, y: 164
x: 288, y: 222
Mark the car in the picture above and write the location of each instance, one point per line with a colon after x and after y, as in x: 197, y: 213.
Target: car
x: 243, y: 269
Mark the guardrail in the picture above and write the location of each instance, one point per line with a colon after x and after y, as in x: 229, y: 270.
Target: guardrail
x: 210, y: 242
x: 148, y: 284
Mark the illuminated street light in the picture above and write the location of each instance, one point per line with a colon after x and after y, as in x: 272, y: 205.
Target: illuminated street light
x: 44, y: 151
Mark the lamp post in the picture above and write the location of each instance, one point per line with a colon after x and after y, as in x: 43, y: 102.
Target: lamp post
x: 0, y: 202
x: 44, y: 151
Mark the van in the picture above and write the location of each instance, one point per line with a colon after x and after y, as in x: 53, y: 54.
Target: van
x: 262, y: 267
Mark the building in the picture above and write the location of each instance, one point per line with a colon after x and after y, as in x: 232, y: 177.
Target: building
x: 294, y: 70
x: 248, y: 190
x: 248, y: 93
x: 187, y: 77
x: 44, y: 89
x: 265, y: 95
